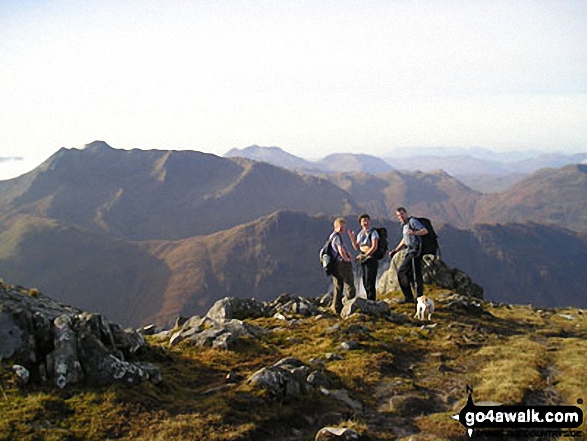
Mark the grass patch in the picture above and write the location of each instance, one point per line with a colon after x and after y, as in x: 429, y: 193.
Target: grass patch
x: 571, y: 375
x: 508, y: 370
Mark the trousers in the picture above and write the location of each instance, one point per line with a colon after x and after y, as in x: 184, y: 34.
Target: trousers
x: 370, y: 267
x: 342, y: 277
x: 406, y: 277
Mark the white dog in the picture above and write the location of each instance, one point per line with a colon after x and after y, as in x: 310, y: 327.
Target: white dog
x: 424, y: 308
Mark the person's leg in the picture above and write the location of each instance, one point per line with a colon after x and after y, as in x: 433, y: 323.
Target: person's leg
x: 370, y: 268
x: 404, y: 276
x: 338, y: 282
x: 419, y: 278
x: 349, y: 280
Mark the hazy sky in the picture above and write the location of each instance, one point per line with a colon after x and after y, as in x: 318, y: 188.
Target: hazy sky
x: 312, y: 77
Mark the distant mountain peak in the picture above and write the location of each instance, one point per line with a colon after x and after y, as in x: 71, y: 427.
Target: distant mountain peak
x: 97, y: 146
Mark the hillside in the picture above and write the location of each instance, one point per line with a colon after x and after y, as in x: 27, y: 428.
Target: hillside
x: 549, y: 196
x: 521, y: 263
x: 382, y: 376
x: 273, y: 255
x: 158, y: 194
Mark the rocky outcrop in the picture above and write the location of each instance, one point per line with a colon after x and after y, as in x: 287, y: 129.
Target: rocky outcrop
x: 67, y: 346
x: 434, y: 271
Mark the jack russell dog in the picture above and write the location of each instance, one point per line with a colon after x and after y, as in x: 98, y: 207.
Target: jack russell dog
x: 424, y: 308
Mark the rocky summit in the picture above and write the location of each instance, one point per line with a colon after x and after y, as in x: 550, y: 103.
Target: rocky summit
x: 284, y: 369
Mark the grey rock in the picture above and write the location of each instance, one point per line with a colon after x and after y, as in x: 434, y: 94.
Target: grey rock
x: 318, y: 379
x: 66, y: 362
x: 21, y: 373
x: 278, y: 380
x: 10, y: 335
x: 285, y: 378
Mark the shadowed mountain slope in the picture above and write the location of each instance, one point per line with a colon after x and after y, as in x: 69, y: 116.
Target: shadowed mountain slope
x: 98, y: 273
x: 162, y: 194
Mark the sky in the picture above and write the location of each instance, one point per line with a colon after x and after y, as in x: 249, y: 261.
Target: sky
x: 312, y: 77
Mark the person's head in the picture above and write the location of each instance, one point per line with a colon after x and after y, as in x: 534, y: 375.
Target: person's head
x: 339, y: 225
x: 365, y: 221
x: 401, y: 214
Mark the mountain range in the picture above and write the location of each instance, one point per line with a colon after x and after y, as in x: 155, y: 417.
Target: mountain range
x: 146, y: 236
x: 482, y: 169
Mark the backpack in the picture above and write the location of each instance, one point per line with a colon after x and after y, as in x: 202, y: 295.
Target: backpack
x: 382, y: 244
x: 429, y: 241
x: 327, y: 257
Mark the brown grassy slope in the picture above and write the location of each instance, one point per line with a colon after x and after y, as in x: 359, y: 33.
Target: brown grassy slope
x: 509, y: 354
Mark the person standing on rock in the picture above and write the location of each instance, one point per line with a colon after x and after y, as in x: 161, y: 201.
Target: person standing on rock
x: 410, y: 269
x: 367, y: 241
x: 342, y: 275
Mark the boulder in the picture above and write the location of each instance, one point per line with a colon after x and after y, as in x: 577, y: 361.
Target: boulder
x: 237, y: 308
x: 434, y: 270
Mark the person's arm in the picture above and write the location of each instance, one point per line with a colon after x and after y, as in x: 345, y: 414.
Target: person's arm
x: 342, y: 252
x: 417, y: 229
x: 399, y: 246
x: 353, y: 238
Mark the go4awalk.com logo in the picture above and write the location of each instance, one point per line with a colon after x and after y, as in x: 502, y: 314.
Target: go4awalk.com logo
x: 522, y: 421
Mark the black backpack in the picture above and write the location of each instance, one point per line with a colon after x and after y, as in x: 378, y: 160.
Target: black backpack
x: 382, y: 244
x: 327, y: 257
x: 429, y: 241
